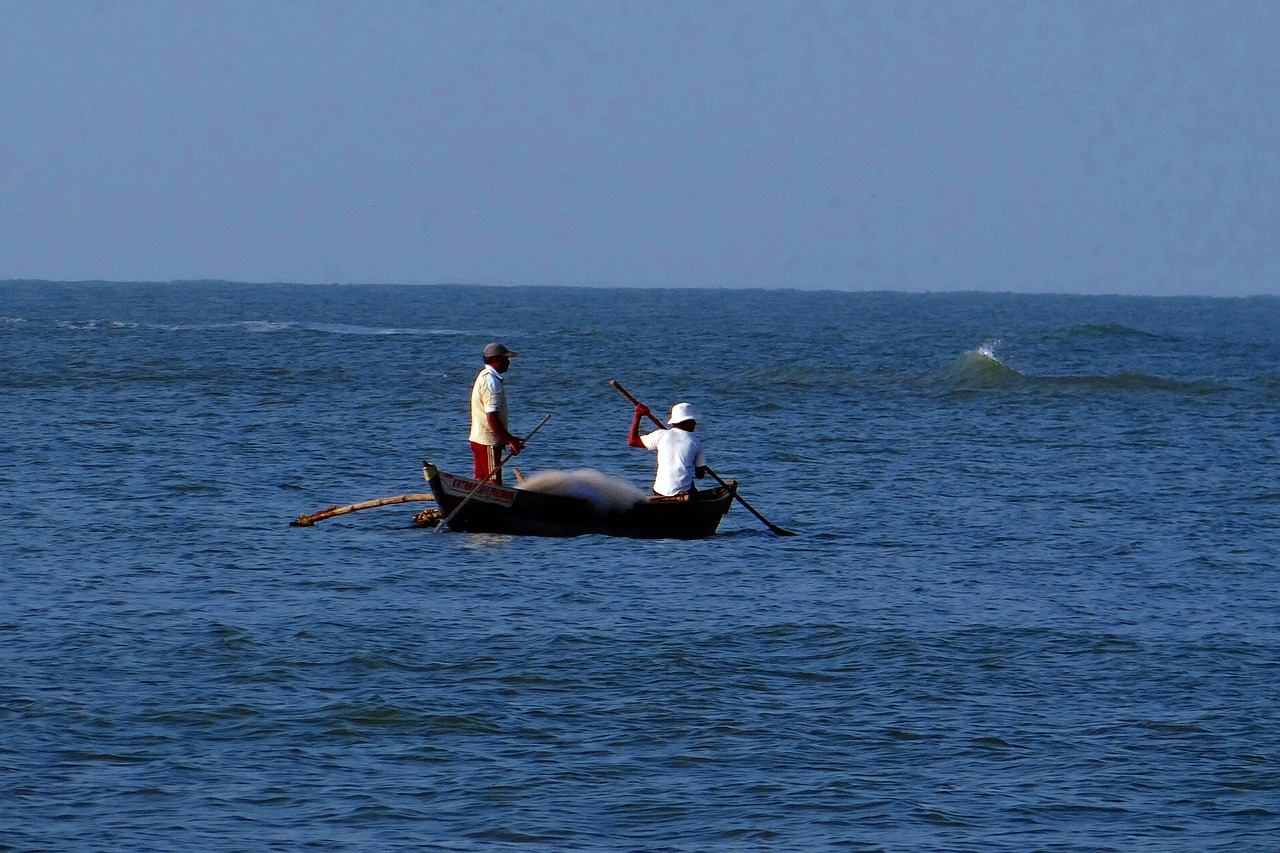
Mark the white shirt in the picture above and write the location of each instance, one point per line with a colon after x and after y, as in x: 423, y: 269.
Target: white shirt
x: 487, y: 395
x: 679, y: 455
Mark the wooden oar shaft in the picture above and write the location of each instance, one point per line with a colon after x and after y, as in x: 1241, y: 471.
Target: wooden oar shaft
x: 624, y: 392
x: 309, y: 520
x: 732, y: 489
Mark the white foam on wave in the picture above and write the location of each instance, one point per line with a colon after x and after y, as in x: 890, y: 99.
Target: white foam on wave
x: 81, y: 325
x: 258, y: 326
x: 349, y: 329
x: 253, y: 327
x: 606, y: 494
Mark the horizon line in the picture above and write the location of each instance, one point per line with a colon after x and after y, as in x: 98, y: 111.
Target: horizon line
x: 590, y: 285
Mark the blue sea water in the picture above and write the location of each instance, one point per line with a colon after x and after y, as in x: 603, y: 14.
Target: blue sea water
x: 1032, y: 603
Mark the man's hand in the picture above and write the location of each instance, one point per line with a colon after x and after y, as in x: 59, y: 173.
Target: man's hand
x: 633, y: 433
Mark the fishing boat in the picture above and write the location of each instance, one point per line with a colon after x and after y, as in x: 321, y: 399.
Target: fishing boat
x: 474, y: 507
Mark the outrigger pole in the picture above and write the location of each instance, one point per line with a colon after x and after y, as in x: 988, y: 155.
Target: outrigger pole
x: 310, y: 520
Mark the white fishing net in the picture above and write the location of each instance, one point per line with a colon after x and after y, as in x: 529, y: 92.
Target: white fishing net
x: 606, y: 494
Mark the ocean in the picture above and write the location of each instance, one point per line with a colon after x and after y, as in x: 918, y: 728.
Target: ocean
x: 1032, y: 603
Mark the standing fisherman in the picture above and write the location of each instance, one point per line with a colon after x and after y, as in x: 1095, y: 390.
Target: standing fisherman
x: 489, y: 414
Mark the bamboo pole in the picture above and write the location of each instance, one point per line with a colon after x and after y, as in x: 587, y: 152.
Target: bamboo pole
x: 310, y: 520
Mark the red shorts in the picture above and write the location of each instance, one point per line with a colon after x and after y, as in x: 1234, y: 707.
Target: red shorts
x: 487, y: 457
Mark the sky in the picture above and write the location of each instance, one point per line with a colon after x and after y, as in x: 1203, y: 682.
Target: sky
x: 1067, y: 147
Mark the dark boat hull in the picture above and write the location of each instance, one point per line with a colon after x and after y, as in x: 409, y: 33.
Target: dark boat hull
x: 520, y: 512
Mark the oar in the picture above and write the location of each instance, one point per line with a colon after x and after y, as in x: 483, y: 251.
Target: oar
x: 445, y: 521
x: 778, y: 531
x: 309, y: 520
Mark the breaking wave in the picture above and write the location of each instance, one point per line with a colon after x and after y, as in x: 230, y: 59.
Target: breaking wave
x: 980, y: 369
x: 977, y: 369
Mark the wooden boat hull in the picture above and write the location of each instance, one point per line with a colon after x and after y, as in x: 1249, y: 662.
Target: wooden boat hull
x: 521, y: 512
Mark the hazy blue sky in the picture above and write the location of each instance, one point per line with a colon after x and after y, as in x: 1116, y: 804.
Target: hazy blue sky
x: 1095, y: 147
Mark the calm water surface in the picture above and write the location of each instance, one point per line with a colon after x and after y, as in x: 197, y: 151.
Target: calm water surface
x: 1032, y: 606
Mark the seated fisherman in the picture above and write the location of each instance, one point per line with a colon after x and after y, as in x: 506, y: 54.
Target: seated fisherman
x: 680, y: 457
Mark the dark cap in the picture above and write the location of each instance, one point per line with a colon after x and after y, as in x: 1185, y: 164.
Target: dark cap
x: 495, y: 349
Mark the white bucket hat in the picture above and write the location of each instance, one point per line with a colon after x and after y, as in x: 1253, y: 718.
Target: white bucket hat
x: 682, y: 412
